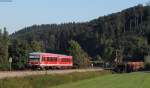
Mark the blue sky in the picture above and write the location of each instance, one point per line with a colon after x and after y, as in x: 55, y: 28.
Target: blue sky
x: 18, y: 14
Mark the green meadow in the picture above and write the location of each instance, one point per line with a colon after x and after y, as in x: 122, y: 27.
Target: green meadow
x: 49, y: 80
x: 102, y: 79
x: 127, y: 80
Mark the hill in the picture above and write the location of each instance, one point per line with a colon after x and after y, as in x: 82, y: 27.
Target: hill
x: 128, y: 30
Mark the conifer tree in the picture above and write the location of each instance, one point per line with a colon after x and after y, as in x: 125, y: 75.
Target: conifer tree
x: 4, y: 42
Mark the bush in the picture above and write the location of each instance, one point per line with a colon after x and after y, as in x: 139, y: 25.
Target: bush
x: 4, y: 67
x: 147, y: 62
x: 80, y: 57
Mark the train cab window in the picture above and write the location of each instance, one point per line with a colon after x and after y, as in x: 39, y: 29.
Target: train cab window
x: 34, y: 58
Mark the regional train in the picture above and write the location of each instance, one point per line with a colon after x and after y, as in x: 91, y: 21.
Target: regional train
x: 49, y: 61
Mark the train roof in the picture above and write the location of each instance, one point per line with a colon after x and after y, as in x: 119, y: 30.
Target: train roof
x: 52, y: 54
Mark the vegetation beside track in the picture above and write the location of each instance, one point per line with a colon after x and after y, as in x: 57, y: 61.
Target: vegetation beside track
x: 48, y: 81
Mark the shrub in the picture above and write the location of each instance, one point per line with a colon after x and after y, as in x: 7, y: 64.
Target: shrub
x: 147, y: 62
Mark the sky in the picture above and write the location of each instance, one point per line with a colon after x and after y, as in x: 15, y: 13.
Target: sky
x: 17, y: 14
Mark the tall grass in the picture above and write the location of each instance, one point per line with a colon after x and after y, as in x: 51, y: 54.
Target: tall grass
x: 48, y: 81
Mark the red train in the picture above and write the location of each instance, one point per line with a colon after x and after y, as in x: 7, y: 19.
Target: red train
x: 49, y: 60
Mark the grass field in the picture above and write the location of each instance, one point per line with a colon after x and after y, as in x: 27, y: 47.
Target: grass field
x: 48, y: 81
x: 129, y: 80
x: 101, y: 79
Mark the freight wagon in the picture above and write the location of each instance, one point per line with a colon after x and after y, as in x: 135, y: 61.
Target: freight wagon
x: 129, y: 64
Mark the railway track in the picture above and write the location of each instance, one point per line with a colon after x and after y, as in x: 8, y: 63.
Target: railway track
x: 8, y: 74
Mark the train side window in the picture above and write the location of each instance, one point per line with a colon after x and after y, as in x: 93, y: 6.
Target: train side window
x: 65, y: 60
x: 49, y: 58
x: 44, y: 59
x: 52, y: 59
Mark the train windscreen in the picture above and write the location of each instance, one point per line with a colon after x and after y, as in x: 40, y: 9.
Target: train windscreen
x: 34, y: 58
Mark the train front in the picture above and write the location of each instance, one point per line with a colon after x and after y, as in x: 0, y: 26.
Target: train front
x: 34, y: 60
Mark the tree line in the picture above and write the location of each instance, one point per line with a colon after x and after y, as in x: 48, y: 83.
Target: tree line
x: 4, y: 42
x: 127, y: 31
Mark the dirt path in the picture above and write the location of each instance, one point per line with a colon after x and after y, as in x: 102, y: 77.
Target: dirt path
x: 7, y: 74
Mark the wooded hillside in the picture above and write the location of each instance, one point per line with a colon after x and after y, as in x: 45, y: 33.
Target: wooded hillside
x: 128, y: 30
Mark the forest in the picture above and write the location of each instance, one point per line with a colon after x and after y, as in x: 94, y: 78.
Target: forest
x: 128, y: 31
